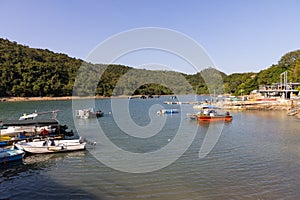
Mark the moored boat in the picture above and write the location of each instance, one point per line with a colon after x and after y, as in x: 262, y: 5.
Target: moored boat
x: 293, y: 112
x: 51, y: 146
x: 36, y: 114
x: 88, y: 113
x: 226, y: 118
x: 213, y: 113
x: 31, y: 127
x: 10, y: 154
x: 21, y: 129
x: 167, y: 111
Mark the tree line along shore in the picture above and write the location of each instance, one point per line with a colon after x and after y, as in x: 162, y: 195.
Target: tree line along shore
x: 17, y: 99
x: 39, y: 74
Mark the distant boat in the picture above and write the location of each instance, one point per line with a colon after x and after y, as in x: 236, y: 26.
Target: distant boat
x: 88, y: 113
x: 210, y: 113
x: 8, y: 155
x: 35, y: 114
x: 51, y: 146
x: 167, y: 111
x: 293, y: 112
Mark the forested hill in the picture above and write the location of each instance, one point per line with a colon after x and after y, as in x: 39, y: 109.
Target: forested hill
x: 35, y: 72
x: 28, y: 72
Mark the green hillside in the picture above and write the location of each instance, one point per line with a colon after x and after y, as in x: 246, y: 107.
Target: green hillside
x: 29, y: 72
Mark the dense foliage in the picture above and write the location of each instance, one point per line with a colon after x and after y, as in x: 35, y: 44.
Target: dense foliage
x: 29, y: 72
x: 34, y: 72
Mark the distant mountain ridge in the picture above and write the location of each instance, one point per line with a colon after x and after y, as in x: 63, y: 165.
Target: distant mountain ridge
x: 30, y: 72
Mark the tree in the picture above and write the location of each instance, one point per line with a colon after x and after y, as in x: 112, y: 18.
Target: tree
x: 26, y: 71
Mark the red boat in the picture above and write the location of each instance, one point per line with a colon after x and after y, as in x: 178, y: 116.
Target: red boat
x: 226, y: 118
x: 214, y: 115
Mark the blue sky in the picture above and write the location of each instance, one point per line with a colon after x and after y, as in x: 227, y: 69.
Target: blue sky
x: 238, y: 35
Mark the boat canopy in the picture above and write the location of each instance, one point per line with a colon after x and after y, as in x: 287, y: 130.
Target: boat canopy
x: 39, y: 122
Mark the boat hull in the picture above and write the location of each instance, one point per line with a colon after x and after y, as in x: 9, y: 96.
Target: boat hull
x: 11, y: 155
x: 226, y: 118
x: 88, y: 113
x: 39, y: 147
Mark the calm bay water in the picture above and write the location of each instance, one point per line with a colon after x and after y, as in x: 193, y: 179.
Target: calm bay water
x: 256, y: 157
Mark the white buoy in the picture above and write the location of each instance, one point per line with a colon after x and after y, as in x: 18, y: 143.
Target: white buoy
x: 169, y: 140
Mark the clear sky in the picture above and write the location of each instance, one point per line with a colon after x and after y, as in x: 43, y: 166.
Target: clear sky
x: 238, y: 35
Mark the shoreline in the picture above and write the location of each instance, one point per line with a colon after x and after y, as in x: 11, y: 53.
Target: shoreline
x: 232, y: 105
x: 21, y: 99
x: 280, y: 104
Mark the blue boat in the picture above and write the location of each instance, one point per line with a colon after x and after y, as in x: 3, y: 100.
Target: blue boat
x: 8, y: 155
x: 167, y: 111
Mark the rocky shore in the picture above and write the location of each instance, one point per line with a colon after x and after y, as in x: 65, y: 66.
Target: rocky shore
x: 279, y: 104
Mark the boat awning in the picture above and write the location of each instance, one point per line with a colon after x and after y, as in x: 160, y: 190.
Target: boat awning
x: 39, y: 122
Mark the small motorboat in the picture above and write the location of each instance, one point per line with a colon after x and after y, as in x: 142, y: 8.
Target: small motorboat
x: 10, y: 154
x: 293, y: 112
x: 214, y: 115
x: 211, y: 113
x: 35, y: 114
x: 88, y: 113
x: 51, y: 145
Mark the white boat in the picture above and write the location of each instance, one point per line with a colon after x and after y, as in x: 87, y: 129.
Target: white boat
x: 28, y: 117
x: 13, y: 131
x: 35, y: 114
x: 88, y: 113
x: 51, y: 145
x: 33, y: 127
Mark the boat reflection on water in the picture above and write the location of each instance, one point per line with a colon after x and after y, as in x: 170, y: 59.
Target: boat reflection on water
x: 33, y: 159
x: 34, y: 164
x: 201, y: 122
